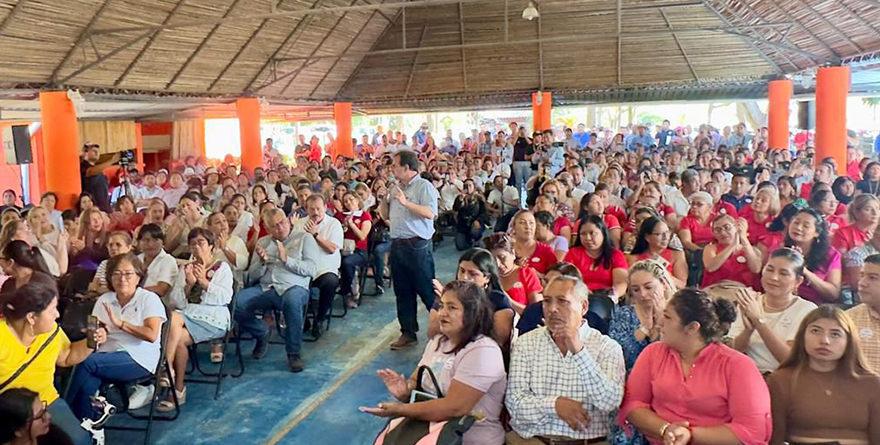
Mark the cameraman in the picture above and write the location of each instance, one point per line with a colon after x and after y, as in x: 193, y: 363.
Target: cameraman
x: 92, y: 175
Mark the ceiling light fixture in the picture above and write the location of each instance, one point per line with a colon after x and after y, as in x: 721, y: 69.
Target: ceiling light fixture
x: 531, y: 11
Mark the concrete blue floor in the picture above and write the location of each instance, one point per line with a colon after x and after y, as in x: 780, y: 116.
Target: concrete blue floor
x: 270, y: 405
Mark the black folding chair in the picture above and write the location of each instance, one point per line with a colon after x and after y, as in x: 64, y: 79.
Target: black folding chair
x: 153, y: 379
x: 216, y: 378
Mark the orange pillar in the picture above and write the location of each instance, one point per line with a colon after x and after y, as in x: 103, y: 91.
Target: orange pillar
x: 248, y: 110
x: 832, y: 88
x: 139, y: 147
x: 60, y: 140
x: 342, y: 116
x: 779, y: 95
x: 541, y: 106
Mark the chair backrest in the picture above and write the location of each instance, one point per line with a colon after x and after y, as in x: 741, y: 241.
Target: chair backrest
x: 601, y: 304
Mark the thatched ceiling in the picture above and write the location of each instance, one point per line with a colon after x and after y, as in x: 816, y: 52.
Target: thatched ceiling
x: 288, y: 50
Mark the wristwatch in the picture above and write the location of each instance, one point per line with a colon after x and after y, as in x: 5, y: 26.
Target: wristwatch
x: 761, y: 320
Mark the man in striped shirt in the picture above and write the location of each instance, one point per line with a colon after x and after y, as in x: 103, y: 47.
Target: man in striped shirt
x: 566, y: 379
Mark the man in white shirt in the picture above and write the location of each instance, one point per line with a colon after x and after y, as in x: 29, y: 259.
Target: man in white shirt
x: 580, y: 183
x: 503, y: 198
x: 328, y: 234
x: 566, y: 379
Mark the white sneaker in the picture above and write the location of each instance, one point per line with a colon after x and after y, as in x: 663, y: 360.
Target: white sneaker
x: 141, y: 396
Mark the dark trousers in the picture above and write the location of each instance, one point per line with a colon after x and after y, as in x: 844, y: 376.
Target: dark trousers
x: 379, y: 251
x: 326, y: 285
x: 99, y: 367
x: 254, y: 299
x: 350, y: 263
x: 412, y: 269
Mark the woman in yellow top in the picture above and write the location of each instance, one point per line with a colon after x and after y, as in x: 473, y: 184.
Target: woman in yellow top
x: 28, y: 329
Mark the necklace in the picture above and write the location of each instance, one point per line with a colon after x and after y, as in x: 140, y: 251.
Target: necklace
x: 768, y: 308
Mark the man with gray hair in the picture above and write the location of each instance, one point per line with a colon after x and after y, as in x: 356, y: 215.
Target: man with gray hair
x: 566, y: 379
x: 281, y: 268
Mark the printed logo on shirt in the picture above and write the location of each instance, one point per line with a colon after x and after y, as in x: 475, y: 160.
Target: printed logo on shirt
x: 866, y: 333
x: 517, y: 285
x: 741, y: 259
x: 536, y: 260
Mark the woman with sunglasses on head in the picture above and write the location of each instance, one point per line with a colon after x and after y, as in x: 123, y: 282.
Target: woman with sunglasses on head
x: 825, y: 392
x: 652, y: 243
x: 521, y: 283
x: 28, y: 326
x: 478, y: 266
x: 731, y: 257
x: 133, y: 317
x: 808, y: 233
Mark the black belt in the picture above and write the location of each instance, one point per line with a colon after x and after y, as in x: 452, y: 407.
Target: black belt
x: 566, y: 441
x: 412, y: 240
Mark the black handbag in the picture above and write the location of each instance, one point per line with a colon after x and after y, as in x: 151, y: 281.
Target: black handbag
x: 407, y: 431
x: 75, y: 318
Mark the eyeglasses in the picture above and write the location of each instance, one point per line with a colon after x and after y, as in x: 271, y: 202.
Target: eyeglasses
x: 198, y: 243
x: 43, y: 411
x: 125, y: 275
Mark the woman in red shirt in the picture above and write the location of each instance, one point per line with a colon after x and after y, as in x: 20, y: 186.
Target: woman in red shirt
x: 826, y: 203
x: 761, y: 212
x: 593, y: 204
x: 732, y: 256
x: 356, y: 225
x: 652, y: 243
x: 864, y: 213
x: 602, y: 265
x: 521, y: 284
x: 561, y: 225
x: 695, y: 229
x: 529, y: 251
x: 690, y: 388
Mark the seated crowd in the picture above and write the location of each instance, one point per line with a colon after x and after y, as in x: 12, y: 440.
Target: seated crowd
x: 664, y: 287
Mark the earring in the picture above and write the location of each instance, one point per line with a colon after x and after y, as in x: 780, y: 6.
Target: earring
x: 33, y: 332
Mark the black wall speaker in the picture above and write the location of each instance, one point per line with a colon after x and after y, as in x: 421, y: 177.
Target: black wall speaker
x: 806, y: 115
x: 17, y: 144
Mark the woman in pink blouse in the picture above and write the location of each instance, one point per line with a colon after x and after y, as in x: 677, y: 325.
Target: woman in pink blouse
x: 689, y: 388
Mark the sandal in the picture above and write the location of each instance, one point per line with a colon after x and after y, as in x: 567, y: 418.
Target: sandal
x: 216, y: 353
x: 168, y: 404
x: 164, y: 381
x: 352, y: 304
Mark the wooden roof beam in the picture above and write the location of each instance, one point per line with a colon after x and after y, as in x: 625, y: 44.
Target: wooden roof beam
x: 619, y: 41
x: 79, y: 40
x: 412, y: 69
x: 747, y: 40
x: 201, y: 46
x: 869, y: 26
x: 782, y: 40
x: 807, y: 30
x: 8, y: 19
x: 400, y: 13
x: 147, y: 46
x: 102, y: 59
x: 680, y: 47
x: 830, y: 25
x: 464, y: 60
x: 870, y: 2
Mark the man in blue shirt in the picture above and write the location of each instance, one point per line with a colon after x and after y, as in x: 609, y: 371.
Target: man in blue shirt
x: 640, y: 138
x: 665, y: 135
x: 582, y: 136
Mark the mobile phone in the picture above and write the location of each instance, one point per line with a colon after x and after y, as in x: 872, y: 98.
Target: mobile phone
x: 419, y: 396
x: 91, y: 330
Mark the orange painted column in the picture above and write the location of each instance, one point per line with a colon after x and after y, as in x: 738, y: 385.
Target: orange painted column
x: 139, y: 147
x: 342, y: 116
x: 832, y: 89
x: 60, y: 140
x: 779, y: 95
x: 541, y: 106
x: 248, y: 110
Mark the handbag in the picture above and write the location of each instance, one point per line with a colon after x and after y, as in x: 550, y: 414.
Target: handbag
x: 408, y: 431
x: 75, y: 317
x: 25, y: 365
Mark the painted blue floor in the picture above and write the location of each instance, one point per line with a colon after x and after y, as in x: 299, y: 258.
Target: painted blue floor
x: 269, y: 404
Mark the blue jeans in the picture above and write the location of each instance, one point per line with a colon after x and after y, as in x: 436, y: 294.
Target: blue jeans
x: 522, y: 170
x: 350, y: 263
x: 412, y: 269
x: 254, y: 299
x: 98, y: 367
x: 379, y: 251
x: 63, y: 418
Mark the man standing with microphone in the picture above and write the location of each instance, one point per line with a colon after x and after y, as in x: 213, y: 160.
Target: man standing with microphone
x: 410, y: 206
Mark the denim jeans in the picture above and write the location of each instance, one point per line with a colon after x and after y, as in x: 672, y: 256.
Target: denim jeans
x: 412, y: 269
x: 350, y: 263
x: 379, y: 251
x: 63, y: 418
x: 254, y: 299
x: 98, y: 367
x: 521, y: 172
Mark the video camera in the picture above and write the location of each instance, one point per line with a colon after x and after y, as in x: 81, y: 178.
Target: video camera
x: 126, y: 157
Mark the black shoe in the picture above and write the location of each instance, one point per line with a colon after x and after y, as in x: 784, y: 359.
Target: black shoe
x: 318, y: 329
x: 379, y: 289
x: 296, y: 363
x: 261, y: 346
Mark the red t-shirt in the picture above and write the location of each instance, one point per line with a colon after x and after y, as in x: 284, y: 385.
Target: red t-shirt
x: 359, y: 221
x: 611, y: 222
x: 527, y: 283
x: 700, y: 234
x: 772, y: 241
x: 666, y: 255
x: 596, y: 276
x: 757, y: 229
x: 841, y: 209
x: 848, y: 238
x: 542, y: 258
x: 736, y: 268
x: 560, y: 223
x: 835, y: 223
x: 853, y: 171
x: 618, y: 214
